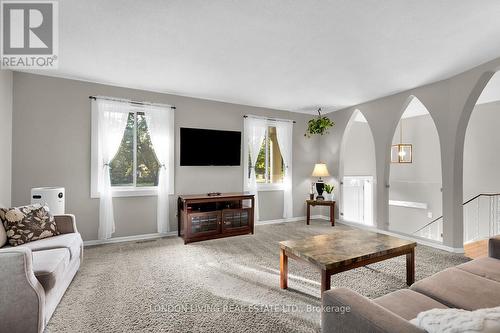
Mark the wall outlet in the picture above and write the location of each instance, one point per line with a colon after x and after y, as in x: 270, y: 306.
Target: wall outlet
x: 429, y: 215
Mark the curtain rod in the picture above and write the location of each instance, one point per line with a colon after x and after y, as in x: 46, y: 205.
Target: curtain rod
x: 131, y: 101
x: 271, y: 119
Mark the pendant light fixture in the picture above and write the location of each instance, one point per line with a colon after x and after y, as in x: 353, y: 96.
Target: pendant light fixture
x: 402, y: 152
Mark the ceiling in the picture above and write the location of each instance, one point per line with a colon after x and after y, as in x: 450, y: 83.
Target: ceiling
x: 290, y: 55
x: 414, y: 109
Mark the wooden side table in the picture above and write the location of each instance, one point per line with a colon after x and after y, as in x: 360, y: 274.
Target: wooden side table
x: 331, y: 204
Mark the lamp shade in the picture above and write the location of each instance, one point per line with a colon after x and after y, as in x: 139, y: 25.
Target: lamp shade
x: 320, y: 170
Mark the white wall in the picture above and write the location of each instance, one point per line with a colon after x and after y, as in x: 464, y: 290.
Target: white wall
x: 5, y: 137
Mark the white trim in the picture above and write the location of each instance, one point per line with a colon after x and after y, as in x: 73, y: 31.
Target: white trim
x: 128, y: 238
x: 408, y: 204
x: 270, y: 120
x: 292, y: 219
x: 416, y: 239
x: 124, y: 191
x: 265, y: 187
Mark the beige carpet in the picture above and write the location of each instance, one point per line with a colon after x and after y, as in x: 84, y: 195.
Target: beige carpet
x: 225, y: 285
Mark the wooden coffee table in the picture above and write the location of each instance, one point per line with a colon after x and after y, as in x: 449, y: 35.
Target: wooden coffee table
x: 344, y: 249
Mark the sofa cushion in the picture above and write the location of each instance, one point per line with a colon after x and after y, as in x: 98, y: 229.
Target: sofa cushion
x: 408, y: 303
x: 49, y: 266
x: 486, y: 267
x: 72, y: 241
x: 460, y: 289
x: 28, y: 223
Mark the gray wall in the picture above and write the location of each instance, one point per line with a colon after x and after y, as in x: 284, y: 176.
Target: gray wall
x: 359, y: 151
x: 419, y: 181
x: 51, y: 136
x: 481, y: 151
x: 450, y: 103
x: 5, y: 137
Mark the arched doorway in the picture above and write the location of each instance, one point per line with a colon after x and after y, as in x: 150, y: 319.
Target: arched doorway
x: 415, y: 182
x: 481, y: 162
x: 357, y: 172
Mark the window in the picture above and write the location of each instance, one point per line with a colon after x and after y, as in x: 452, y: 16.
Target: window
x: 135, y: 168
x: 269, y: 168
x: 135, y: 164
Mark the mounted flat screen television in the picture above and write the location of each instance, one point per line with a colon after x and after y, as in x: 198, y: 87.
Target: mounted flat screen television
x: 204, y: 147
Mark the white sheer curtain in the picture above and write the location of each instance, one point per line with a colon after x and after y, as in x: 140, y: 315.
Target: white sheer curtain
x: 284, y: 133
x: 255, y: 132
x: 158, y: 121
x: 112, y: 120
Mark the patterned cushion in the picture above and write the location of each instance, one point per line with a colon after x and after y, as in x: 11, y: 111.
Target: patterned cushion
x: 28, y: 223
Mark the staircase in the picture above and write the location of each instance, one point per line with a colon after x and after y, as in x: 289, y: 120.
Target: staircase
x: 481, y: 221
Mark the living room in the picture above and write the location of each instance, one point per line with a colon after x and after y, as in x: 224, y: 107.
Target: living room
x: 245, y: 166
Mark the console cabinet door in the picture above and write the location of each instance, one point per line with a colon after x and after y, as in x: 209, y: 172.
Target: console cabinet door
x: 236, y: 219
x: 204, y: 224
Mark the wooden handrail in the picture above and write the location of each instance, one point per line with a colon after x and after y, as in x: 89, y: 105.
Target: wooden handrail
x: 465, y: 203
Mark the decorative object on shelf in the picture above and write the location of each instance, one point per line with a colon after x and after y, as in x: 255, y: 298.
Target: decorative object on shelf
x: 329, y: 192
x: 401, y: 152
x: 320, y: 170
x: 311, y: 191
x: 319, y: 125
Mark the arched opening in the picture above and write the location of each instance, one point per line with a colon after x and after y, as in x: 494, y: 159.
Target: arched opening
x: 415, y: 194
x: 481, y: 162
x: 357, y: 172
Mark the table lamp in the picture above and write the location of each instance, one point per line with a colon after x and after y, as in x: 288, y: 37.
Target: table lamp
x: 320, y: 170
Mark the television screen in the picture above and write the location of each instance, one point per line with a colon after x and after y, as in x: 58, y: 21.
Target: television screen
x: 201, y: 147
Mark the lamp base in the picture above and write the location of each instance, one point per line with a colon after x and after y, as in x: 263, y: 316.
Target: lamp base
x: 320, y: 187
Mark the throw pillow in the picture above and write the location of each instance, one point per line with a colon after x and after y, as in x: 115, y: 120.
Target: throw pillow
x: 28, y: 223
x: 459, y: 321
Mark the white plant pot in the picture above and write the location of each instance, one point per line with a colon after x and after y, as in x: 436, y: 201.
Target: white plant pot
x: 328, y: 196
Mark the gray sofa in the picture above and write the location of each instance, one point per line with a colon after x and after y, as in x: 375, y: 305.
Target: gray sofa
x: 35, y: 275
x: 470, y: 286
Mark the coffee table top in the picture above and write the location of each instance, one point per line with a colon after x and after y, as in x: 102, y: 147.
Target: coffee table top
x: 345, y: 246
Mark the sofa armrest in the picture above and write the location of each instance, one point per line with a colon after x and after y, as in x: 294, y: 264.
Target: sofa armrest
x: 66, y: 223
x: 360, y: 315
x: 22, y: 296
x: 494, y: 247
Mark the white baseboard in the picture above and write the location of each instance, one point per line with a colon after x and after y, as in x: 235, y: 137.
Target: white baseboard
x: 128, y: 238
x: 416, y: 239
x: 291, y: 219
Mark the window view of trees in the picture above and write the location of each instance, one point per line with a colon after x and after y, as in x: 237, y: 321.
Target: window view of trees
x: 139, y: 169
x: 269, y: 167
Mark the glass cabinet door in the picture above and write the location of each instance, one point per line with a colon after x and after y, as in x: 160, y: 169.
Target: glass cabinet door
x: 235, y: 219
x: 204, y: 223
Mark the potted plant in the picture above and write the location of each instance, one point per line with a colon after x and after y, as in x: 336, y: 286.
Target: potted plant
x: 318, y: 125
x: 329, y: 192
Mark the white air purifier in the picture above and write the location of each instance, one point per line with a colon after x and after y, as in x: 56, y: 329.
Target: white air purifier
x: 54, y: 197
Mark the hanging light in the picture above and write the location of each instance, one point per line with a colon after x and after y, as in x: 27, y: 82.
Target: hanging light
x: 401, y: 152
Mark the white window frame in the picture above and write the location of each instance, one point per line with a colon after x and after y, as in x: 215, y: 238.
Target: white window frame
x: 264, y: 187
x: 128, y: 191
